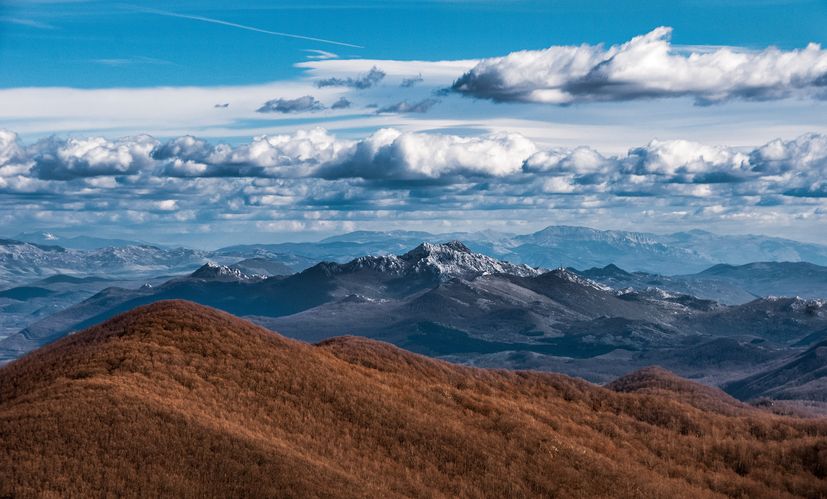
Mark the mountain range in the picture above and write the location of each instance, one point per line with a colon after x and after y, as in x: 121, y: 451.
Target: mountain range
x: 447, y: 301
x: 33, y: 256
x: 175, y: 399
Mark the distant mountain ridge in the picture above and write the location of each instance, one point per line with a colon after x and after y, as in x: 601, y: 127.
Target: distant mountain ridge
x: 21, y: 261
x: 77, y: 242
x: 567, y: 246
x: 555, y: 246
x: 729, y: 284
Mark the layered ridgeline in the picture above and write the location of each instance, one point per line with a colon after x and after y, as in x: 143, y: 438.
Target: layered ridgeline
x: 728, y: 284
x: 564, y: 246
x: 32, y: 256
x: 24, y: 261
x: 175, y: 399
x: 42, y: 273
x: 446, y: 301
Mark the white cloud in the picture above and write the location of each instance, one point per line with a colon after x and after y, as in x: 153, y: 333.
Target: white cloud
x: 647, y: 66
x: 685, y: 158
x: 265, y: 156
x: 166, y: 205
x: 391, y: 154
x: 580, y: 160
x: 56, y: 159
x: 13, y: 159
x: 806, y: 153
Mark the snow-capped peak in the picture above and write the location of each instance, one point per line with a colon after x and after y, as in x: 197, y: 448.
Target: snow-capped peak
x: 212, y: 271
x: 454, y: 259
x: 444, y: 261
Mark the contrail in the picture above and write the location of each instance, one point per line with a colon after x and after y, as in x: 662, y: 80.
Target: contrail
x: 242, y: 26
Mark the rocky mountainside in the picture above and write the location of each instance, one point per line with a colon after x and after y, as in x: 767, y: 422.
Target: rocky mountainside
x: 180, y: 400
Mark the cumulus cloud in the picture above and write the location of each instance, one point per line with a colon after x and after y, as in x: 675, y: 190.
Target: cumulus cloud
x: 647, y: 66
x: 361, y: 82
x: 392, y: 155
x: 65, y: 159
x: 12, y: 155
x: 313, y: 170
x: 795, y: 167
x: 800, y: 165
x: 807, y: 153
x: 410, y: 107
x: 287, y: 155
x: 682, y: 160
x: 298, y: 105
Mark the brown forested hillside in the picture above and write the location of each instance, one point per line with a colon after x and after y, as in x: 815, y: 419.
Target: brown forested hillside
x: 176, y: 399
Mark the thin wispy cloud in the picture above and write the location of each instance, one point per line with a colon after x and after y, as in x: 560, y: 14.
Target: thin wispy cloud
x: 126, y: 61
x: 320, y: 55
x: 410, y: 107
x: 245, y: 27
x: 31, y: 23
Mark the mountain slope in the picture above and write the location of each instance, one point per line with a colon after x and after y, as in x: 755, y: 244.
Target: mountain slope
x: 177, y: 399
x: 804, y: 377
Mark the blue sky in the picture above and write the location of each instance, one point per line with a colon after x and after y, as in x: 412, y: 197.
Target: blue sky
x: 69, y: 43
x: 205, y: 122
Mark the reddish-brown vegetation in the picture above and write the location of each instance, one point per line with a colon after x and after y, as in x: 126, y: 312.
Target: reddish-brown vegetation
x: 175, y: 399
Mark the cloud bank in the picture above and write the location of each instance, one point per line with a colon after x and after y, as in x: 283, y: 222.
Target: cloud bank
x: 647, y: 66
x: 313, y: 175
x: 795, y: 167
